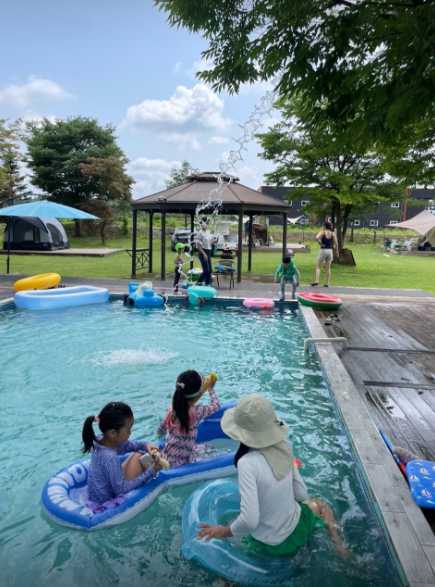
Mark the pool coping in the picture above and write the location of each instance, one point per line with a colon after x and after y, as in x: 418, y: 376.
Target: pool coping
x: 410, y: 535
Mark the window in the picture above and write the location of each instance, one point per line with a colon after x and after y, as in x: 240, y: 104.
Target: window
x: 304, y: 203
x: 394, y: 222
x: 303, y: 220
x: 395, y: 204
x: 290, y: 203
x: 356, y: 222
x: 374, y: 223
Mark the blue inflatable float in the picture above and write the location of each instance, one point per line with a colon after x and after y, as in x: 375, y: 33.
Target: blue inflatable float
x: 421, y: 477
x: 65, y: 496
x: 145, y: 297
x: 199, y: 293
x: 65, y: 297
x: 219, y: 503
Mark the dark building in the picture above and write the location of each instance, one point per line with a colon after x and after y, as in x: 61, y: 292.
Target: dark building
x: 376, y: 216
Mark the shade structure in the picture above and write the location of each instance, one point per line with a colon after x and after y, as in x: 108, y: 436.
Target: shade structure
x: 46, y: 209
x: 421, y: 223
x: 199, y: 190
x: 42, y: 209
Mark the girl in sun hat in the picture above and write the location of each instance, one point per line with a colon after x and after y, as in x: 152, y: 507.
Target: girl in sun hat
x: 277, y: 516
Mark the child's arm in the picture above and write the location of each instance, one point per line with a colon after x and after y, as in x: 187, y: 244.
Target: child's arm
x: 132, y: 446
x: 205, y: 411
x: 277, y: 273
x: 299, y: 487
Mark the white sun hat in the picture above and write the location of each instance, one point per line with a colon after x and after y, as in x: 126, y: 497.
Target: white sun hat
x: 254, y: 422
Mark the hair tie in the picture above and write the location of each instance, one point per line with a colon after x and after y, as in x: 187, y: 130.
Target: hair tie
x: 97, y: 419
x: 180, y: 384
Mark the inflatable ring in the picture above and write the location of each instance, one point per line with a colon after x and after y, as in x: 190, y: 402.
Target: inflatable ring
x: 258, y: 303
x: 41, y: 281
x: 66, y: 297
x: 217, y: 503
x: 319, y: 301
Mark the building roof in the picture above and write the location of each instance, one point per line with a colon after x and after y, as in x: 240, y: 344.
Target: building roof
x: 203, y: 187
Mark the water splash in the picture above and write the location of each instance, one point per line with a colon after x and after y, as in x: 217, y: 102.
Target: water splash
x: 133, y: 357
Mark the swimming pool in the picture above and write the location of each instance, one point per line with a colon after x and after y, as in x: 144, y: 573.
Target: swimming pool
x: 59, y: 367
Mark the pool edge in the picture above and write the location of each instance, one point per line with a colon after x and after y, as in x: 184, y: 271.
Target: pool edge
x: 410, y: 536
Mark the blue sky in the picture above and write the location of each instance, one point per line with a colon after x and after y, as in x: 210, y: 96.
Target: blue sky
x: 121, y: 63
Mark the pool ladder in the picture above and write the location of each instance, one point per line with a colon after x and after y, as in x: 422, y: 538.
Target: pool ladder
x: 327, y: 339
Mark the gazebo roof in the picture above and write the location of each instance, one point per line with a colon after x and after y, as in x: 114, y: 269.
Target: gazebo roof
x: 200, y: 187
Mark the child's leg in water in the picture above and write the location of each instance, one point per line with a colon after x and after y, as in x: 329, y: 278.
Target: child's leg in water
x: 132, y: 467
x: 322, y: 509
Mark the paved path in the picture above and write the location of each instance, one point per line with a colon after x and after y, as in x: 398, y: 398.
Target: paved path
x: 248, y: 288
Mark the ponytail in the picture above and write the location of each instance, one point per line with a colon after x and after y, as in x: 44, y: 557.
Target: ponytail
x: 112, y: 417
x: 241, y: 452
x: 88, y: 434
x: 187, y: 386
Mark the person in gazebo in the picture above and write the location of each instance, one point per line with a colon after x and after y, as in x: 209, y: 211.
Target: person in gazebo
x: 204, y: 243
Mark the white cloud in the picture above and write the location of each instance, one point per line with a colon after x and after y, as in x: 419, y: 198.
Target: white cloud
x: 188, y: 109
x: 23, y: 95
x: 218, y: 140
x: 150, y: 174
x: 249, y: 176
x: 178, y: 67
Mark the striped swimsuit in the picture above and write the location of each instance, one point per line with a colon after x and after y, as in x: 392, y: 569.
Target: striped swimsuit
x: 180, y: 445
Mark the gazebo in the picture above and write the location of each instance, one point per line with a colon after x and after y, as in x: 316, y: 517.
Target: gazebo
x: 236, y: 199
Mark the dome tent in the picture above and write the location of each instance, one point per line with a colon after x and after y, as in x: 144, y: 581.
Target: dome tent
x: 35, y: 234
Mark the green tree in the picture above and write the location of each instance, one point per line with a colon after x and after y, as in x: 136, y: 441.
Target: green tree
x: 324, y: 165
x: 77, y: 160
x: 368, y: 64
x: 12, y: 183
x: 179, y: 174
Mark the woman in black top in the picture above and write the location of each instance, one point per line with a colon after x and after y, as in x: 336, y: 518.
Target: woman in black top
x: 328, y: 243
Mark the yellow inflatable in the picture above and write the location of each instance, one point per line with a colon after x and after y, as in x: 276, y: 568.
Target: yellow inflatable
x: 41, y: 281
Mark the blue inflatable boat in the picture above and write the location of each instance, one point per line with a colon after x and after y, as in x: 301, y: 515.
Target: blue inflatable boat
x: 143, y: 297
x: 65, y: 496
x: 219, y: 503
x: 65, y: 297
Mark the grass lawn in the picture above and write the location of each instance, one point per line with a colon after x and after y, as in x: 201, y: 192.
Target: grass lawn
x: 374, y: 268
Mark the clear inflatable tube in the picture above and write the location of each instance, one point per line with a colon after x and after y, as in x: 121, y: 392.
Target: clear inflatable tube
x: 218, y: 502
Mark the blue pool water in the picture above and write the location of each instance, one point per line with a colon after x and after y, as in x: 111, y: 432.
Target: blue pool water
x: 59, y: 367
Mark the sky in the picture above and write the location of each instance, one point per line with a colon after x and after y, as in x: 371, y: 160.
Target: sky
x: 121, y: 63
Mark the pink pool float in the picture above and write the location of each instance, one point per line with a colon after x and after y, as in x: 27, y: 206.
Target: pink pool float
x: 259, y: 303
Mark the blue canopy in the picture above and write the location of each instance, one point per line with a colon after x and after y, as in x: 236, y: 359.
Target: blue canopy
x: 46, y: 209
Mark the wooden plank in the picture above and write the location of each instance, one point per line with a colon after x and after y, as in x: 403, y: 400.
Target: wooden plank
x: 399, y: 384
x: 387, y: 350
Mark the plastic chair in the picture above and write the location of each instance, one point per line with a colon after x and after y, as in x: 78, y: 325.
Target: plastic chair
x: 225, y: 268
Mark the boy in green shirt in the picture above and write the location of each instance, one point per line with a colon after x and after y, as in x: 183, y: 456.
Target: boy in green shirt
x: 287, y: 272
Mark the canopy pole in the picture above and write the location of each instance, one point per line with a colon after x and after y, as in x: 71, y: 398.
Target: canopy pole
x: 239, y: 247
x: 163, y: 246
x: 150, y: 243
x: 134, y: 244
x: 284, y: 234
x: 251, y: 220
x: 9, y: 246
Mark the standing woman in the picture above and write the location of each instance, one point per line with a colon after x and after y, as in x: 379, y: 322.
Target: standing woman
x: 204, y: 245
x: 328, y: 244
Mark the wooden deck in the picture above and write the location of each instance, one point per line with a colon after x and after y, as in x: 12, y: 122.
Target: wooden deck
x: 390, y: 356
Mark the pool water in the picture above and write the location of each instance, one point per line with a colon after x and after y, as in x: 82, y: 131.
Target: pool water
x: 59, y: 367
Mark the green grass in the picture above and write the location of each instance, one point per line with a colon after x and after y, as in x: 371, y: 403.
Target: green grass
x: 374, y: 268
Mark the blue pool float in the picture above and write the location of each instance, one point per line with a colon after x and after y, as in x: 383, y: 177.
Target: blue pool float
x: 421, y: 478
x: 65, y: 297
x: 196, y: 293
x: 65, y: 496
x: 216, y: 503
x: 146, y: 298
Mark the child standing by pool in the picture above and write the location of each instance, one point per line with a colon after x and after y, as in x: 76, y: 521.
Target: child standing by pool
x: 287, y: 272
x: 108, y: 478
x: 182, y: 420
x: 178, y: 261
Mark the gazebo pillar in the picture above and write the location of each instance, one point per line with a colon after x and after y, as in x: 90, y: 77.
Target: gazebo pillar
x: 192, y: 230
x: 134, y: 244
x: 284, y: 234
x: 163, y: 247
x: 251, y: 219
x: 239, y: 247
x: 150, y: 242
